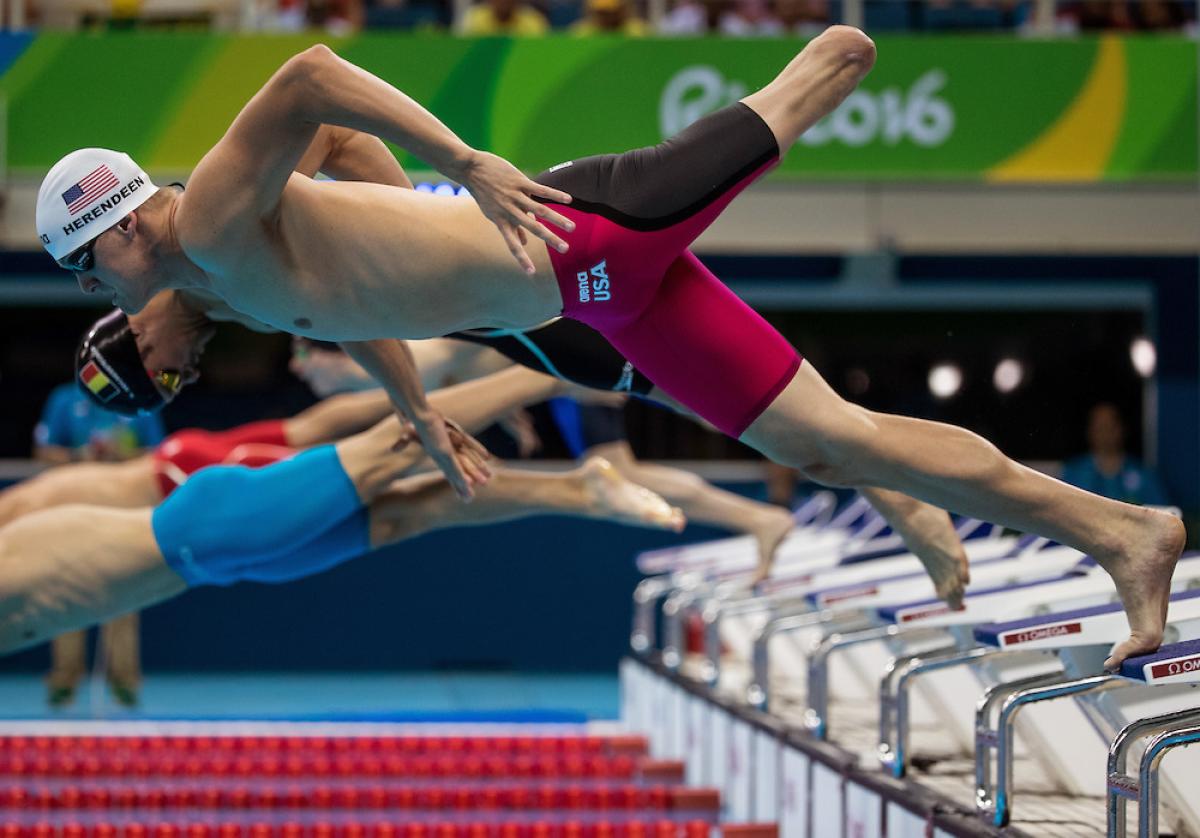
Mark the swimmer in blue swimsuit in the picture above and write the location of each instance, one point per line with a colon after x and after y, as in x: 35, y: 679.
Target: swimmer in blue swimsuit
x: 73, y: 566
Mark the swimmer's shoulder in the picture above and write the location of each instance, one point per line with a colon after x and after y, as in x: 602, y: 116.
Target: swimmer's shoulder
x: 217, y: 222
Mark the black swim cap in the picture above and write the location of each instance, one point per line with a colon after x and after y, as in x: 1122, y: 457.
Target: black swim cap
x: 110, y: 371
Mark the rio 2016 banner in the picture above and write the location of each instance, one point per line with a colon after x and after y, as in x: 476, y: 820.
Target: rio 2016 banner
x: 945, y: 108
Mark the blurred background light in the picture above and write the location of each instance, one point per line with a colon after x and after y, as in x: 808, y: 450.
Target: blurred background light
x: 945, y: 380
x: 1143, y: 356
x: 1009, y: 375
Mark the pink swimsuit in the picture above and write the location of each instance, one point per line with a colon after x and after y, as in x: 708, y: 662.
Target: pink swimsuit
x: 629, y: 273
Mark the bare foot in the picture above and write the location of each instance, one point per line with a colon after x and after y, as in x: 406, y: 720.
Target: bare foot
x: 374, y: 458
x: 949, y: 571
x: 769, y: 530
x: 615, y: 497
x: 1142, y: 574
x: 931, y: 537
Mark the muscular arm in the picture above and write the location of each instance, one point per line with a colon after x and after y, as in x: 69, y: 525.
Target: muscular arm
x: 243, y: 177
x: 344, y: 154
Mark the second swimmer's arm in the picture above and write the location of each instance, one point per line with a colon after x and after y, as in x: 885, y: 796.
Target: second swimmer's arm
x: 460, y: 458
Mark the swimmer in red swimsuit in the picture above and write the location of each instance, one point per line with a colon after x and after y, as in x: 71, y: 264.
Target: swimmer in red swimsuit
x: 149, y: 479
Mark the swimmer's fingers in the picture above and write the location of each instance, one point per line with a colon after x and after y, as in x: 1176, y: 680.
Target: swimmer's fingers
x: 556, y: 218
x: 513, y: 240
x: 476, y: 446
x: 435, y: 438
x: 471, y: 454
x: 529, y: 223
x: 463, y: 439
x: 474, y: 467
x: 549, y: 193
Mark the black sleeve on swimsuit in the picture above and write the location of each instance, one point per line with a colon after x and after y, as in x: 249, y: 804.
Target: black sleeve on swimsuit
x: 655, y: 187
x: 567, y: 349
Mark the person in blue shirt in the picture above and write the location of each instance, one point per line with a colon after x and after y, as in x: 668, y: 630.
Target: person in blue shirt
x: 73, y: 428
x: 1107, y: 469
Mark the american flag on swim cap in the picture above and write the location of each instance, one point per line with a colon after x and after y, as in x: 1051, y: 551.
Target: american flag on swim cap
x: 91, y: 187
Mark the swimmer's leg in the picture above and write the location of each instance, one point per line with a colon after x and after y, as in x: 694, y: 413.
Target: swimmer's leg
x: 72, y: 566
x: 477, y: 404
x: 473, y: 404
x: 702, y: 502
x: 68, y: 666
x: 226, y: 521
x: 122, y: 657
x: 336, y: 417
x: 809, y: 426
x: 127, y: 484
x: 814, y: 83
x: 927, y: 530
x: 422, y: 503
x: 595, y: 490
x: 929, y: 533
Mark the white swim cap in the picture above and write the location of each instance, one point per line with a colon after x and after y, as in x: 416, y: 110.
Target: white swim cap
x: 85, y: 193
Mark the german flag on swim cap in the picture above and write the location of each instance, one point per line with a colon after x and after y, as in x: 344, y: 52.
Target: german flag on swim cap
x: 97, y: 383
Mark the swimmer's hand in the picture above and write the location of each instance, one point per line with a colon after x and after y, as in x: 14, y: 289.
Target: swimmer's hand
x: 461, y: 458
x: 508, y: 199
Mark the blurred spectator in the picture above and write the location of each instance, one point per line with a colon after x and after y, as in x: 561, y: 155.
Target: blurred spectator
x: 693, y: 17
x: 1093, y: 15
x: 1159, y: 14
x: 337, y: 17
x: 73, y: 428
x: 609, y: 16
x: 802, y: 17
x: 406, y: 14
x: 503, y: 17
x: 1107, y: 469
x: 749, y: 18
x: 973, y: 15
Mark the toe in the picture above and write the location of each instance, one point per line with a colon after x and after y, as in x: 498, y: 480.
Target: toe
x: 953, y: 596
x: 1135, y: 645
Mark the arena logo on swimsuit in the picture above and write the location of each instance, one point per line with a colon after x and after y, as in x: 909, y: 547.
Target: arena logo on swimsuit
x: 593, y: 284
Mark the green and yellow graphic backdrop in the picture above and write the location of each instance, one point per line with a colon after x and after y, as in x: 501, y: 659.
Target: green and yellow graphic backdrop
x: 995, y: 109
